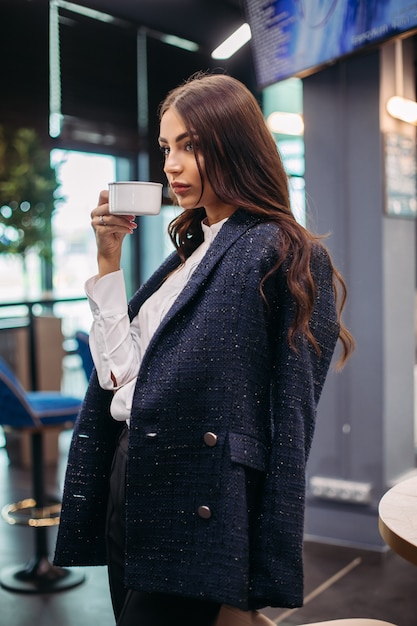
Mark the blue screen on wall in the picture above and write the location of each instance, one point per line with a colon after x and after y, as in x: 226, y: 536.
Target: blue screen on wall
x: 296, y: 37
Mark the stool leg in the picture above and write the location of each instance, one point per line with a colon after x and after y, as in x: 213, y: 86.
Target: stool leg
x: 39, y: 575
x: 38, y: 485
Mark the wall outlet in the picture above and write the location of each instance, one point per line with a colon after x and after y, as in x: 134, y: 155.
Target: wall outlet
x: 340, y: 490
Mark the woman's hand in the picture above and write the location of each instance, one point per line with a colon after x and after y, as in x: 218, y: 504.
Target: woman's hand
x: 110, y: 230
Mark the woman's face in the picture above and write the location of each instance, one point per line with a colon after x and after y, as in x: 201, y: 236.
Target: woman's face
x: 182, y: 172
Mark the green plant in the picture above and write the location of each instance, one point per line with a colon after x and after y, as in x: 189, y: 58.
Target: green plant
x: 28, y: 192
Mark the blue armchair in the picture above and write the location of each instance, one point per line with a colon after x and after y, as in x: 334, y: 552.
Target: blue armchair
x: 34, y: 412
x: 83, y: 349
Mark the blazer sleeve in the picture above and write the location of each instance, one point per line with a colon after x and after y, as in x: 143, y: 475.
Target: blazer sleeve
x: 297, y: 382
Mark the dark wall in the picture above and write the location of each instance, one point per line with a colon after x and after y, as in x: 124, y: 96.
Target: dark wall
x: 99, y: 69
x: 24, y: 54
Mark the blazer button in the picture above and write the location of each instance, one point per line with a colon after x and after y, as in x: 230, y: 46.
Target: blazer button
x: 210, y: 439
x: 204, y: 512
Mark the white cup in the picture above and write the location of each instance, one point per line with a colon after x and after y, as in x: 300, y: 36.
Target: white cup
x: 135, y: 198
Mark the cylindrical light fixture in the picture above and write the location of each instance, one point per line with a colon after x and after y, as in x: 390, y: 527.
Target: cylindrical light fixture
x: 233, y: 43
x: 403, y: 109
x: 285, y: 123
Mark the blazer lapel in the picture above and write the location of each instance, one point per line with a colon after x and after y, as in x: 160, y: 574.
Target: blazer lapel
x: 235, y: 226
x: 152, y: 284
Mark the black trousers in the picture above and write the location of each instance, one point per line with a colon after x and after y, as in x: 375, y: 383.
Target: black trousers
x: 133, y: 608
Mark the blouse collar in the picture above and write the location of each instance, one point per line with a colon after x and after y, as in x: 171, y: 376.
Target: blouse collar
x: 211, y: 231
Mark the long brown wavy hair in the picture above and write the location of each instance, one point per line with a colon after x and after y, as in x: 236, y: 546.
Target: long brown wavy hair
x: 244, y: 169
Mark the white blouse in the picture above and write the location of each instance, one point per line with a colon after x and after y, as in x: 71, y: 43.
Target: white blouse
x: 117, y: 346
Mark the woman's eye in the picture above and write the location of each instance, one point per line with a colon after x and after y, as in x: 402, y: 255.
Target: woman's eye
x: 188, y: 147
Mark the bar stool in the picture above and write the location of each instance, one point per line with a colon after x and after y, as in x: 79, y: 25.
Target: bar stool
x: 35, y: 412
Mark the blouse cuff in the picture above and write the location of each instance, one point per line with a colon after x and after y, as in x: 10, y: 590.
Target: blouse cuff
x: 107, y: 295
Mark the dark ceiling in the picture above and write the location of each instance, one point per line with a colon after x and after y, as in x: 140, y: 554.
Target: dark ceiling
x: 98, y: 62
x: 205, y: 22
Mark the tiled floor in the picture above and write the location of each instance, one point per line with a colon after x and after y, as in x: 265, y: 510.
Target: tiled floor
x: 339, y: 582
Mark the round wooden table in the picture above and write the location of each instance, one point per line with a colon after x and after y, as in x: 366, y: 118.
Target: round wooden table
x: 398, y: 519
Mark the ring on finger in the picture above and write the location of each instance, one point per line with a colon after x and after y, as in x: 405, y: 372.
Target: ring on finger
x: 101, y: 220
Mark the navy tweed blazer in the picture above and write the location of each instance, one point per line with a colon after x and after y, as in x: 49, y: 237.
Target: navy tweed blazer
x: 221, y: 427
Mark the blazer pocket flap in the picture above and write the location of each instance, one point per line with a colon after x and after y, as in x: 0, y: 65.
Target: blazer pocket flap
x: 248, y: 450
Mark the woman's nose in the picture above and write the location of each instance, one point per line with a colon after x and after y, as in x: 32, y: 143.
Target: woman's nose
x: 172, y: 163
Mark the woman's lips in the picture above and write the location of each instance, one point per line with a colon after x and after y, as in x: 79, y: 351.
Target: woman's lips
x: 180, y: 188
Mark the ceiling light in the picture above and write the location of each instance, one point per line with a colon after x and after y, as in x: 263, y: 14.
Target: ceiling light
x: 86, y: 11
x: 403, y: 109
x: 179, y: 42
x: 285, y: 123
x: 233, y: 43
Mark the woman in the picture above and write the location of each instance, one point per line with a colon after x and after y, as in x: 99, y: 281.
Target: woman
x: 216, y: 366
